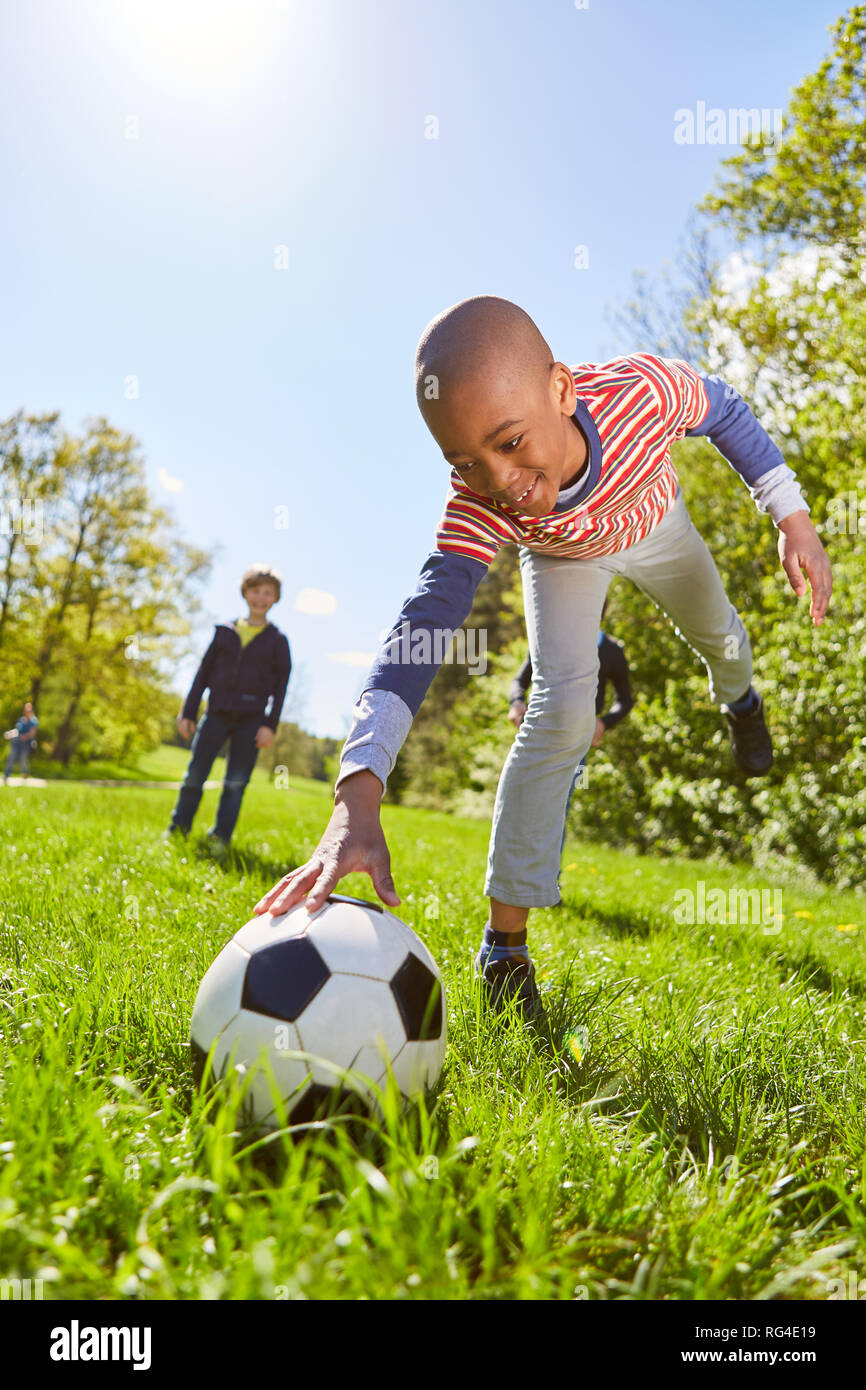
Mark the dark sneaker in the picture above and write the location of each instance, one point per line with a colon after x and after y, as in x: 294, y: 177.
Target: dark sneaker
x: 505, y: 980
x: 174, y: 832
x: 750, y: 740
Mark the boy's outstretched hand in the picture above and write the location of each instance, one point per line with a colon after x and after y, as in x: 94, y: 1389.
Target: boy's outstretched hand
x: 804, y: 558
x: 352, y: 843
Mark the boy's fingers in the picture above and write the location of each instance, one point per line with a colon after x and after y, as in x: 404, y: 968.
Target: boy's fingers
x: 328, y: 879
x: 287, y: 892
x: 380, y: 873
x: 821, y: 580
x: 795, y: 574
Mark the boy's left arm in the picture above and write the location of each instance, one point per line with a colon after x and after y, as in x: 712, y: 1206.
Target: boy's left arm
x: 282, y: 670
x: 710, y: 406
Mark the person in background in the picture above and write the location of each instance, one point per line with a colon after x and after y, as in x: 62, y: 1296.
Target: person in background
x: 246, y: 668
x: 613, y: 667
x: 23, y: 741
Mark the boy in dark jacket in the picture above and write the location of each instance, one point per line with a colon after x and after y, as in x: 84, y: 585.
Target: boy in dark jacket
x: 246, y: 668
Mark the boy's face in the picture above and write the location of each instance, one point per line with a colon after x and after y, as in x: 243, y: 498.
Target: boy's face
x: 511, y: 439
x: 260, y: 597
x: 28, y: 710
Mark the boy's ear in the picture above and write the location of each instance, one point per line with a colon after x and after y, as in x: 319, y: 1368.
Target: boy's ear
x: 564, y: 388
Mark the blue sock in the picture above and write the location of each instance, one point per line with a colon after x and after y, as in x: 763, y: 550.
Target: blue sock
x: 746, y: 703
x: 494, y: 947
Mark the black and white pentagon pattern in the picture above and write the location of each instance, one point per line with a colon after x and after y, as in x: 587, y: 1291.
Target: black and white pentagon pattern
x: 218, y: 1002
x: 418, y: 993
x: 355, y: 990
x: 283, y: 979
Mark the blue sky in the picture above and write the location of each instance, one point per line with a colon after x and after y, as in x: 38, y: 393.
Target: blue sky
x: 155, y: 153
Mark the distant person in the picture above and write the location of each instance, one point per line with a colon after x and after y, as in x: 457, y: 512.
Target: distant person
x: 23, y: 741
x: 246, y: 668
x: 613, y: 667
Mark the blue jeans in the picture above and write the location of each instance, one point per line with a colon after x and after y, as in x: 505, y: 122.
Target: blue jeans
x: 19, y: 753
x: 211, y: 734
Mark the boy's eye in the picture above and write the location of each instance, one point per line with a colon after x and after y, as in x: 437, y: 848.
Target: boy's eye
x: 512, y: 444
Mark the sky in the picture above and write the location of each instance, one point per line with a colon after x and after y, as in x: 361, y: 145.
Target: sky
x: 225, y: 226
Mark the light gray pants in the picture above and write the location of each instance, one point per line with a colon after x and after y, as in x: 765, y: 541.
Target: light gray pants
x: 563, y: 600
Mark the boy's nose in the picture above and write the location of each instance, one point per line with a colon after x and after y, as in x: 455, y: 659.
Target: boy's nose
x: 503, y: 483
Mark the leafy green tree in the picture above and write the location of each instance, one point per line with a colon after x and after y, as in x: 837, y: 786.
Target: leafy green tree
x: 96, y: 607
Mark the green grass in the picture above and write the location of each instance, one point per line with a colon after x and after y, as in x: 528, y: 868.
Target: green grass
x: 164, y: 764
x: 703, y: 1139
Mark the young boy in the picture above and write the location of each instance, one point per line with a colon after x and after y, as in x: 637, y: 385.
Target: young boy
x: 574, y: 465
x: 23, y: 741
x: 246, y: 668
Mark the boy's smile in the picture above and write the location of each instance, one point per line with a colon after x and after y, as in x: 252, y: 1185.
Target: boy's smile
x: 510, y: 441
x: 260, y: 598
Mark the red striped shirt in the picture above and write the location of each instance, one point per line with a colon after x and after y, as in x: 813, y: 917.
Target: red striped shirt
x: 639, y: 405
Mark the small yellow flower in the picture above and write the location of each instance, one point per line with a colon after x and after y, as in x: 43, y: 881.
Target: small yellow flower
x: 801, y: 912
x: 847, y: 926
x: 570, y: 866
x: 577, y: 1042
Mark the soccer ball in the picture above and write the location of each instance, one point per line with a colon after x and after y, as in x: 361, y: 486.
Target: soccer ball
x: 349, y: 985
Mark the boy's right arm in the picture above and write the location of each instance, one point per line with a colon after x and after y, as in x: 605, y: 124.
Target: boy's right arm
x: 186, y: 720
x: 353, y: 841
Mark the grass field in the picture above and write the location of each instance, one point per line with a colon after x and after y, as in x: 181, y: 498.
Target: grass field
x: 164, y: 764
x: 692, y: 1128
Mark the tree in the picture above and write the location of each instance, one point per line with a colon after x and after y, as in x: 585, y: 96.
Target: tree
x: 95, y: 611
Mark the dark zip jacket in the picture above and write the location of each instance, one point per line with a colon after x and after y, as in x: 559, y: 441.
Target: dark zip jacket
x: 612, y: 666
x: 243, y: 680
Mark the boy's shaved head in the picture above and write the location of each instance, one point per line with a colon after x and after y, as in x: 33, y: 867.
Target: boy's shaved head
x: 480, y: 337
x: 498, y: 405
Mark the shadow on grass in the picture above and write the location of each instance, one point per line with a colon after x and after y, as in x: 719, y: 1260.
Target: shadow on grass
x: 816, y: 972
x: 612, y: 919
x: 344, y: 1125
x: 327, y: 1124
x: 248, y: 861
